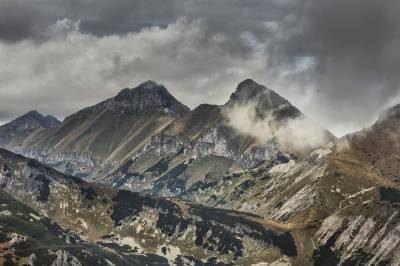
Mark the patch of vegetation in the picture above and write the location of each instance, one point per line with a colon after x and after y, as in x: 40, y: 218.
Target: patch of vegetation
x: 127, y: 203
x: 389, y: 194
x: 44, y: 187
x: 283, y: 241
x: 88, y: 193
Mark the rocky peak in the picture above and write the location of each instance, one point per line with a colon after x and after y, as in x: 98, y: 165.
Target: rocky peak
x: 265, y: 100
x: 29, y: 121
x: 51, y: 121
x: 248, y: 89
x: 147, y: 97
x: 33, y: 114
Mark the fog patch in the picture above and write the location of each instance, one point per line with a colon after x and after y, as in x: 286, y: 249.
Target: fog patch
x: 299, y: 134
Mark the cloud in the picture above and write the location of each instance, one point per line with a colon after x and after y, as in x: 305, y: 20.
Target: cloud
x: 336, y: 61
x: 354, y: 46
x: 26, y: 19
x: 72, y: 70
x: 299, y: 134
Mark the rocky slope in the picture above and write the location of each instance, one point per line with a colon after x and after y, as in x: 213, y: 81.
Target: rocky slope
x: 29, y: 238
x: 132, y: 225
x: 379, y: 144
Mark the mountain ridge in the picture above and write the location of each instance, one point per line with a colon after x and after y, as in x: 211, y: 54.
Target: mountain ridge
x: 242, y: 198
x: 147, y: 95
x: 145, y: 108
x: 204, y: 136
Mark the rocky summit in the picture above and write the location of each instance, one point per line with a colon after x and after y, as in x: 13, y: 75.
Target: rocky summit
x: 16, y: 131
x: 140, y: 179
x: 265, y: 100
x: 147, y: 97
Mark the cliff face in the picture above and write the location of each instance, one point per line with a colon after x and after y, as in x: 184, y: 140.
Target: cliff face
x: 213, y: 142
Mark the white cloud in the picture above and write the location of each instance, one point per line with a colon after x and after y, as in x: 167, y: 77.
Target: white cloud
x: 71, y: 69
x: 299, y: 134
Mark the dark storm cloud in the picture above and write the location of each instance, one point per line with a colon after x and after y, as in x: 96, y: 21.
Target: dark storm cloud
x: 15, y: 21
x: 336, y: 60
x: 21, y: 19
x: 355, y: 44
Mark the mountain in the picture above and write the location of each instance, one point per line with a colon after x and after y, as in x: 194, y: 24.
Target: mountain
x: 144, y: 140
x: 208, y: 129
x: 71, y: 218
x: 206, y: 143
x: 344, y: 197
x: 266, y: 101
x: 246, y: 184
x: 114, y: 128
x: 331, y: 207
x: 106, y: 133
x: 12, y: 133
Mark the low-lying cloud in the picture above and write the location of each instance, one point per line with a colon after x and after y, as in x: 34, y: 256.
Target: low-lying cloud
x: 299, y: 134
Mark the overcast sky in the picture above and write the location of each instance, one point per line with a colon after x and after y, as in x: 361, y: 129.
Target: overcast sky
x: 338, y: 61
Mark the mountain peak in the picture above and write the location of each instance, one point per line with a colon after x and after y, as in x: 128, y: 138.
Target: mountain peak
x: 149, y: 84
x: 265, y: 100
x: 33, y: 113
x: 249, y: 83
x: 147, y: 97
x: 28, y: 122
x: 51, y: 121
x: 34, y: 119
x: 249, y: 90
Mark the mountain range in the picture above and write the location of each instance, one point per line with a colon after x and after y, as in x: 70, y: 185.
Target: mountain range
x: 141, y: 179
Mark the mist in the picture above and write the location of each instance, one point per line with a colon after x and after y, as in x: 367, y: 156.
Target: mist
x: 299, y: 134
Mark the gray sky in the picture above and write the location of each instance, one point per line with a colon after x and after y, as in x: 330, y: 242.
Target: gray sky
x: 338, y: 61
